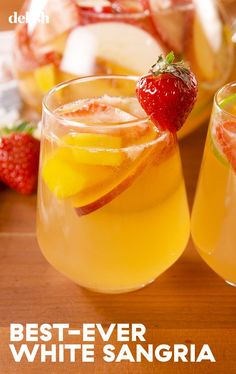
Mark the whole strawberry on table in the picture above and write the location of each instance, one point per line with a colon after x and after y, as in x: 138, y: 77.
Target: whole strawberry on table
x: 19, y: 158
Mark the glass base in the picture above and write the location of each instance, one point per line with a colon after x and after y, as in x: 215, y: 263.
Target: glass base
x: 230, y: 283
x: 119, y: 291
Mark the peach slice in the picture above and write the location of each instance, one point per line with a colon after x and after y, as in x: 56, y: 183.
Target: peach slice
x: 66, y: 178
x: 96, y: 149
x: 73, y: 166
x: 45, y: 77
x: 62, y: 178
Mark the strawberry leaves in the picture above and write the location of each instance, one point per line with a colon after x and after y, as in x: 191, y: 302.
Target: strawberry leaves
x: 167, y: 65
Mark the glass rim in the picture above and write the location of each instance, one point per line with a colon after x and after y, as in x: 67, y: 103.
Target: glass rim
x: 96, y: 127
x: 218, y: 102
x: 89, y: 78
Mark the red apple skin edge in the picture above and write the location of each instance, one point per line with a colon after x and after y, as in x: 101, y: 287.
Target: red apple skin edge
x: 116, y: 191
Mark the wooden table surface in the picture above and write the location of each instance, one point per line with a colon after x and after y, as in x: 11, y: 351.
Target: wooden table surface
x: 187, y: 304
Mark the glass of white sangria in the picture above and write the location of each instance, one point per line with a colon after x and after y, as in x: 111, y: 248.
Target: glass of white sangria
x: 112, y: 207
x: 122, y: 37
x: 214, y: 212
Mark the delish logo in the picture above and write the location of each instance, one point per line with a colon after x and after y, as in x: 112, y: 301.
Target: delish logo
x: 28, y: 17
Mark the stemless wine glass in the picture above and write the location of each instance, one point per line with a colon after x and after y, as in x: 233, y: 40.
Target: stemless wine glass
x: 214, y: 212
x: 122, y: 37
x: 112, y: 208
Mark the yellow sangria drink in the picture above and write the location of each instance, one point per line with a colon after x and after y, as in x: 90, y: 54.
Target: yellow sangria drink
x: 214, y: 212
x: 112, y: 208
x: 122, y: 37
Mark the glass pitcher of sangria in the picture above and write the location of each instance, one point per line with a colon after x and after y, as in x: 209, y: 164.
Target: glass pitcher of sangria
x: 84, y: 38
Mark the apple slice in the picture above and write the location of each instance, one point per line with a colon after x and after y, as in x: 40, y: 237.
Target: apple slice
x: 128, y: 6
x: 207, y: 15
x: 211, y: 59
x: 33, y: 39
x: 61, y: 19
x: 24, y: 57
x: 109, y: 41
x: 96, y: 6
x: 112, y: 194
x: 172, y: 22
x: 117, y: 186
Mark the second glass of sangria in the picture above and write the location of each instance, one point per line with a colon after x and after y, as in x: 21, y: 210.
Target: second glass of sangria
x: 214, y: 212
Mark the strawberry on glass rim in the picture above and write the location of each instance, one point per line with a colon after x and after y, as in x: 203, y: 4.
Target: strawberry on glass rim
x: 168, y: 93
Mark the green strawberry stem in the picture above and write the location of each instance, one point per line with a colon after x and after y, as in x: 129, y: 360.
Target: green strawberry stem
x: 167, y: 65
x: 24, y: 126
x: 170, y: 57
